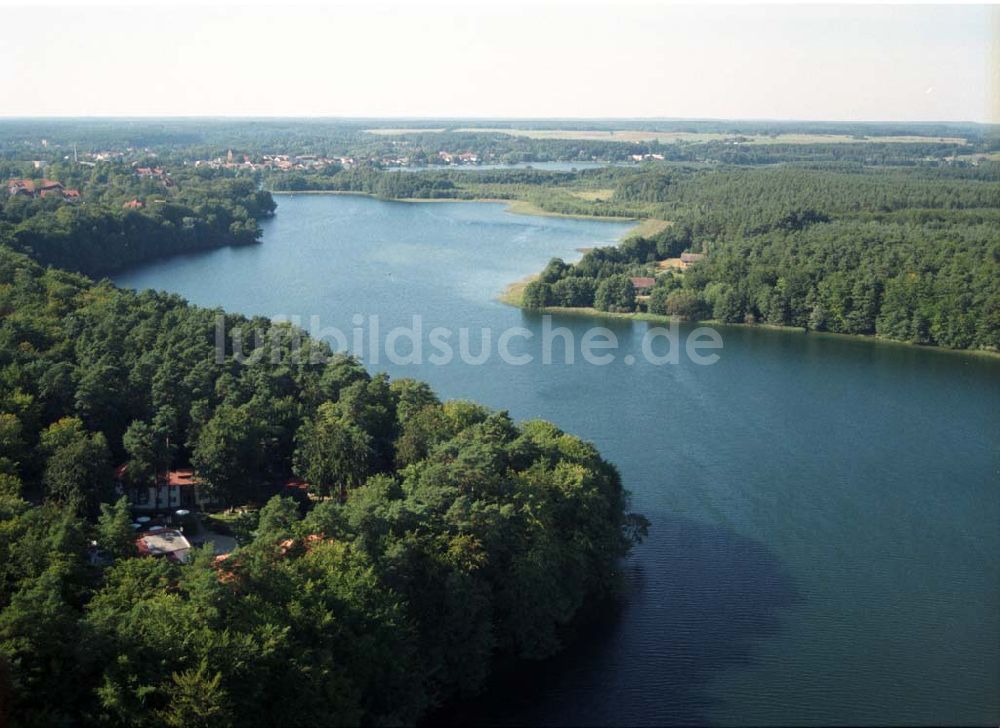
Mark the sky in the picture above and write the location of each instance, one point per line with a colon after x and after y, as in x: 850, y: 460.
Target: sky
x: 504, y: 59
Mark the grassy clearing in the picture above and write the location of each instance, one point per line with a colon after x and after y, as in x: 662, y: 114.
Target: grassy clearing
x: 603, y: 195
x: 513, y: 294
x: 980, y: 156
x: 649, y: 227
x: 397, y: 132
x: 670, y: 264
x: 524, y: 207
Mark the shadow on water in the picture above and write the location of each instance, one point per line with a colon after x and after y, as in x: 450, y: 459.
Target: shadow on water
x: 698, y: 598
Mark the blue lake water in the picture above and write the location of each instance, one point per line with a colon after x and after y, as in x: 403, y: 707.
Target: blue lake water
x: 825, y: 541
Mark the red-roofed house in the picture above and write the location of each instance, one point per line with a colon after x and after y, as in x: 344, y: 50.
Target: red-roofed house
x: 134, y: 205
x: 689, y: 259
x: 173, y: 489
x: 642, y: 284
x: 21, y: 187
x: 41, y: 188
x: 297, y: 489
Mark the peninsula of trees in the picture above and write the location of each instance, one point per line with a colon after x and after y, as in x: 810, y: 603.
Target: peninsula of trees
x: 910, y: 254
x: 126, y: 214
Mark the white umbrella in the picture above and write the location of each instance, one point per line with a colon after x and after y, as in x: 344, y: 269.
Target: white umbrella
x: 182, y: 512
x: 143, y: 519
x: 136, y: 526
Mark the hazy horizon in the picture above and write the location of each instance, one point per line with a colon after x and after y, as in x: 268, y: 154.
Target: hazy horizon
x: 440, y: 118
x: 505, y: 61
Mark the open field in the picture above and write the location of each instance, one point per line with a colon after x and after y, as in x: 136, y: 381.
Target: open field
x: 593, y: 195
x: 525, y: 207
x: 649, y: 227
x: 980, y: 156
x: 669, y: 137
x: 396, y: 132
x: 513, y: 294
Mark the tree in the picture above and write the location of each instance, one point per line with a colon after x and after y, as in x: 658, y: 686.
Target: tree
x: 555, y: 270
x: 149, y: 452
x: 38, y: 633
x: 411, y: 397
x: 332, y: 453
x: 196, y: 699
x: 537, y: 294
x: 685, y: 303
x: 277, y: 519
x: 574, y: 292
x: 421, y: 432
x: 97, y: 397
x: 77, y: 466
x: 729, y: 306
x: 615, y: 294
x: 371, y: 405
x: 11, y: 449
x: 227, y: 454
x: 114, y: 530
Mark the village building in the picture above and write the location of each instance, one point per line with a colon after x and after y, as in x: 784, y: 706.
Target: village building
x: 173, y: 489
x: 155, y: 173
x: 43, y: 188
x: 460, y: 158
x: 642, y: 285
x: 31, y: 188
x: 689, y: 259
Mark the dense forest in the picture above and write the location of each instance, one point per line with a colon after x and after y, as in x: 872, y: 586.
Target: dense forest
x: 444, y: 536
x: 906, y: 254
x: 439, y: 537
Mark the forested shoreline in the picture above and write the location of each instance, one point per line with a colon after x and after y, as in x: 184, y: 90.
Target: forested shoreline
x: 445, y: 536
x: 908, y: 255
x: 127, y: 215
x: 903, y: 253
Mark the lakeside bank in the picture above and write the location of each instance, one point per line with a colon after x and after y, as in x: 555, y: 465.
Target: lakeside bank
x: 513, y: 293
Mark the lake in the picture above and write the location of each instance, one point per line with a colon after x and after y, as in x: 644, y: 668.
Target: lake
x: 825, y: 511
